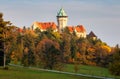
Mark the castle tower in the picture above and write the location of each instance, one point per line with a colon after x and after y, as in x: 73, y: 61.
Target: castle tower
x: 62, y: 19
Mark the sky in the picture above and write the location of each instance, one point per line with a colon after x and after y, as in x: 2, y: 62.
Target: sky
x: 100, y: 16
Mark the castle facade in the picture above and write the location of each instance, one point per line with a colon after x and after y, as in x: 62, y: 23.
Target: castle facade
x: 62, y: 20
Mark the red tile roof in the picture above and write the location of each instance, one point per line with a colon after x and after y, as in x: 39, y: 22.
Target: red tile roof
x: 46, y: 25
x: 20, y: 30
x: 70, y: 28
x: 79, y: 28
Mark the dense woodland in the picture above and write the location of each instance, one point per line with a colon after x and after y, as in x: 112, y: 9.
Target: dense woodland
x: 52, y: 50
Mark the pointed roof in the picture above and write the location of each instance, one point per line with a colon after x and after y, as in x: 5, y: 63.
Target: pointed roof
x: 61, y: 12
x: 91, y: 34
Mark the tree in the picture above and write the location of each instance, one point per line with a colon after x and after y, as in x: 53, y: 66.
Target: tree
x: 48, y: 54
x: 29, y: 48
x: 83, y: 44
x: 114, y: 67
x: 1, y: 40
x: 102, y: 51
x: 6, y: 29
x: 65, y: 47
x: 74, y: 47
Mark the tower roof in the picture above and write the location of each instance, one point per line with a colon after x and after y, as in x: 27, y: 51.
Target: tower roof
x: 91, y: 34
x: 61, y: 12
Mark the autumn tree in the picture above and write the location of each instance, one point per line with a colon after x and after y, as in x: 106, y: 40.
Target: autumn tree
x: 74, y: 47
x: 29, y: 48
x: 82, y: 47
x: 48, y: 54
x: 20, y: 46
x: 114, y: 66
x: 72, y: 38
x: 102, y: 51
x: 65, y: 47
x: 15, y: 47
x: 7, y: 30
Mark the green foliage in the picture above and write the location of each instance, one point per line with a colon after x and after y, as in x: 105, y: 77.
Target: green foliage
x: 114, y: 67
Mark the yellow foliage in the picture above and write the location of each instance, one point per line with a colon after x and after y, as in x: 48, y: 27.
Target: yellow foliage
x: 107, y: 48
x: 57, y: 35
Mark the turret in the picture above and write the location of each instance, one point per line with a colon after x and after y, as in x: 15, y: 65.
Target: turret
x: 62, y: 19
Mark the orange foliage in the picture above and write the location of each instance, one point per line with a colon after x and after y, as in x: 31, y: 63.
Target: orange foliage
x: 91, y: 50
x: 78, y: 55
x: 107, y: 48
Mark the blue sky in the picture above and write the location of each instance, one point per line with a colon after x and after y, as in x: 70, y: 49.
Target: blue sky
x: 100, y: 16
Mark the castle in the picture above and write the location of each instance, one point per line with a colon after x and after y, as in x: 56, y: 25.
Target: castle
x: 62, y: 20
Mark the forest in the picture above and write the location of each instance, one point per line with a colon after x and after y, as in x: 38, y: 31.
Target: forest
x: 52, y: 50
